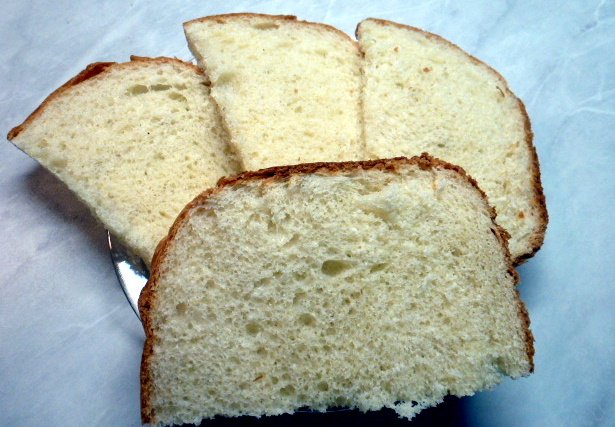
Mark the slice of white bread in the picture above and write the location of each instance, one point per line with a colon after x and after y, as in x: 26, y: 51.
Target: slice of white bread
x: 135, y: 141
x: 363, y: 284
x: 422, y: 93
x: 288, y: 90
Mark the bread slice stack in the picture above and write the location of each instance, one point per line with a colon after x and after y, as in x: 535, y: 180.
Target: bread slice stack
x: 363, y: 284
x: 288, y: 90
x: 368, y: 284
x: 134, y: 141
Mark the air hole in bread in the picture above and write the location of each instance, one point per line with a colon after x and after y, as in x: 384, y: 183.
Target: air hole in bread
x: 209, y: 213
x: 137, y: 90
x: 288, y: 390
x: 307, y: 319
x: 160, y: 87
x: 378, y: 211
x: 292, y: 241
x: 334, y: 267
x: 378, y: 267
x: 299, y: 296
x: 176, y: 96
x: 356, y: 294
x: 253, y: 328
x: 265, y: 281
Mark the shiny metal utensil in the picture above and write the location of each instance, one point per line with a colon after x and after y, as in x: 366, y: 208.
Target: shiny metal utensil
x: 131, y: 271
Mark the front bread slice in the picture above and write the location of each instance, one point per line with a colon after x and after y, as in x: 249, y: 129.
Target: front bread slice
x: 363, y: 284
x: 422, y: 93
x: 135, y: 141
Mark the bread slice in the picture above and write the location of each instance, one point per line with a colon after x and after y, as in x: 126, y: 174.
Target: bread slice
x: 135, y: 141
x: 422, y: 93
x: 288, y: 90
x: 362, y: 284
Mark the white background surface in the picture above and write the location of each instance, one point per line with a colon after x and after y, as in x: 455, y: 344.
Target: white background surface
x: 70, y: 345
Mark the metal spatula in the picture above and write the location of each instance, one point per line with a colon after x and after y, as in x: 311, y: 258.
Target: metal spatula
x: 131, y: 271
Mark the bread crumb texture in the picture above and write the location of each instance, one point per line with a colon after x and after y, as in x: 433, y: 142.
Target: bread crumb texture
x: 422, y: 93
x: 364, y: 288
x: 289, y: 91
x: 136, y: 143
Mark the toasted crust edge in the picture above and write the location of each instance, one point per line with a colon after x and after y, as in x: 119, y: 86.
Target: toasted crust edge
x: 92, y: 71
x: 281, y: 173
x: 89, y: 72
x: 243, y: 15
x: 539, y: 202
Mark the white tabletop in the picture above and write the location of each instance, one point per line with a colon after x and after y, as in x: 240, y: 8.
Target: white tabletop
x: 70, y: 345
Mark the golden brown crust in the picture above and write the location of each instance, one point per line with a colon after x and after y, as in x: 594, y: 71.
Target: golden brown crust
x: 540, y: 206
x: 145, y: 304
x: 221, y: 19
x: 93, y: 71
x: 281, y: 173
x: 89, y: 72
x: 167, y: 60
x: 424, y: 161
x: 148, y: 414
x: 529, y: 337
x: 539, y: 196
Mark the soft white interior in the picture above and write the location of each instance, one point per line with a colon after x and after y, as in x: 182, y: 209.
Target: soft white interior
x: 136, y: 144
x: 422, y: 94
x: 363, y: 289
x: 288, y: 91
